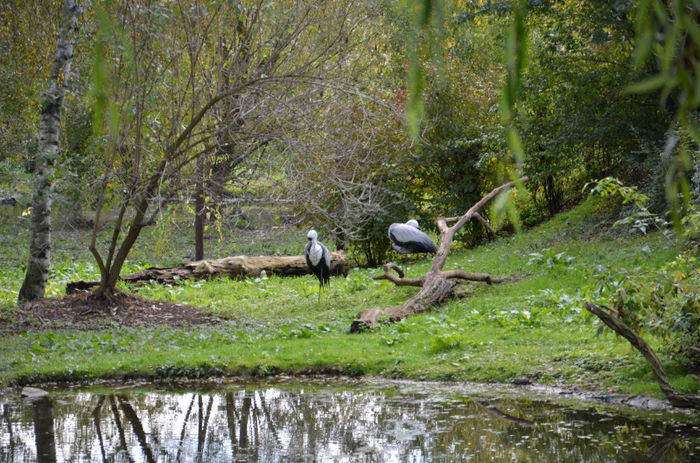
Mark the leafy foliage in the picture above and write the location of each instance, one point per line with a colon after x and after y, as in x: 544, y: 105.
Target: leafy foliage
x: 574, y: 106
x: 664, y: 301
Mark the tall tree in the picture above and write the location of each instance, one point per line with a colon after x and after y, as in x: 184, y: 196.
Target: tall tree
x: 40, y: 246
x: 271, y: 56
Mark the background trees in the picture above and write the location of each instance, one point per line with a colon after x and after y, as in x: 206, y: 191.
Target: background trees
x: 299, y: 107
x: 350, y: 170
x: 233, y: 81
x: 576, y: 118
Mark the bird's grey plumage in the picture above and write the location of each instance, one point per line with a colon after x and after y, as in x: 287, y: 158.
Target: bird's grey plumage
x: 318, y: 259
x: 406, y: 238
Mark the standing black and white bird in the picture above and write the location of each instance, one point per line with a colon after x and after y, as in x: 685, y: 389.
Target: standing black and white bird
x: 318, y: 259
x: 406, y: 238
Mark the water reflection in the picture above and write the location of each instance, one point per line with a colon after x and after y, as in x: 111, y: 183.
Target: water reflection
x: 341, y: 423
x: 42, y: 409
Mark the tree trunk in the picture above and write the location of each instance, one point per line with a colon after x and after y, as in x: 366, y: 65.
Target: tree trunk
x: 232, y: 267
x: 199, y: 212
x: 37, y: 274
x: 436, y: 285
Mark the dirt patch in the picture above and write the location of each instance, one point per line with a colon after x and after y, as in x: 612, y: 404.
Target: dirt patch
x: 85, y: 311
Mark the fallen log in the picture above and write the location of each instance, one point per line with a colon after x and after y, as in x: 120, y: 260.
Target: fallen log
x: 236, y: 267
x: 436, y: 285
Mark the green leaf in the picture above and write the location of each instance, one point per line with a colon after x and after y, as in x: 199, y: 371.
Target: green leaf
x: 641, y: 52
x: 647, y: 85
x: 513, y: 214
x: 414, y: 106
x: 516, y: 145
x: 670, y: 48
x: 644, y: 33
x: 694, y: 30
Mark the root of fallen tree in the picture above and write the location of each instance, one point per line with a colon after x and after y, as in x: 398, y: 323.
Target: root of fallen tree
x: 232, y: 267
x: 609, y: 317
x: 436, y: 285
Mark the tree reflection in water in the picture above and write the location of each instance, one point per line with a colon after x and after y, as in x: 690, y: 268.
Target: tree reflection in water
x: 336, y: 423
x: 42, y: 411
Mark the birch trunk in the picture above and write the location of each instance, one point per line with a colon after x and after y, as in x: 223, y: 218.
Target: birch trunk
x: 35, y: 279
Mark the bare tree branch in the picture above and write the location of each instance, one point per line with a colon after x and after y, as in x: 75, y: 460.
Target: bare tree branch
x: 400, y: 280
x: 436, y: 285
x: 614, y: 323
x: 462, y: 275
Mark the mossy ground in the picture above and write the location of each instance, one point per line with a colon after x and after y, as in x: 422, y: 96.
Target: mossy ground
x: 532, y: 328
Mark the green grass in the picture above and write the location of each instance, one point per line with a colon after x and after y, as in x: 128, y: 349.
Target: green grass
x: 530, y: 328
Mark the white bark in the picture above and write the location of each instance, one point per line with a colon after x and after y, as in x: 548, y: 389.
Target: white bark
x: 36, y: 277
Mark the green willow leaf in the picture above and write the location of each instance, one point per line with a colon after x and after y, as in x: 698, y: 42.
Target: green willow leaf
x: 644, y: 33
x: 647, y: 85
x: 516, y: 146
x: 414, y: 104
x: 693, y: 131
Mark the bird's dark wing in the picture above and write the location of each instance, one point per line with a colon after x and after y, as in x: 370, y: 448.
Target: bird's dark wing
x: 307, y: 248
x: 325, y: 265
x: 427, y: 244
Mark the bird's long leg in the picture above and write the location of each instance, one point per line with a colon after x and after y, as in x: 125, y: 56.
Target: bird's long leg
x: 319, y: 293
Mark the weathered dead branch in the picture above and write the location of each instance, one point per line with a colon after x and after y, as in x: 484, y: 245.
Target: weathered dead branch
x: 485, y: 223
x: 400, y: 280
x: 436, y: 285
x: 479, y: 218
x: 609, y: 317
x: 462, y: 275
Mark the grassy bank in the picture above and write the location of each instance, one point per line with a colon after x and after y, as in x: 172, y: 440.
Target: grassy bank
x: 531, y: 328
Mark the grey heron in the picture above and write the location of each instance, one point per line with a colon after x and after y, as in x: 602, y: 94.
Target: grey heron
x: 406, y: 238
x: 318, y: 259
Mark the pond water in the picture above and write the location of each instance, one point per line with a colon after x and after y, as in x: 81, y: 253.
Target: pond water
x: 339, y: 421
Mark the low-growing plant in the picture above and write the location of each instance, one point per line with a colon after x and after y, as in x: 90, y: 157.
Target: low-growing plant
x: 641, y: 220
x: 304, y: 331
x: 556, y: 305
x: 356, y: 281
x: 394, y: 333
x: 447, y: 341
x: 549, y: 259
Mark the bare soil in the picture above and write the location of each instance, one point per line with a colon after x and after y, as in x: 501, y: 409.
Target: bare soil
x: 86, y: 311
